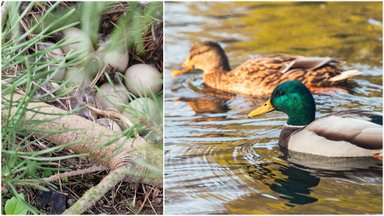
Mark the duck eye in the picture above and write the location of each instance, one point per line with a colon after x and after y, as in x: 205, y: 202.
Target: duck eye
x: 279, y: 93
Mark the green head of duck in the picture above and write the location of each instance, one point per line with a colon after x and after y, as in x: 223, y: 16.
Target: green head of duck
x: 292, y: 98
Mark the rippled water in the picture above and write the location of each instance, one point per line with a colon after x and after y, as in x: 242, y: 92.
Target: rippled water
x: 217, y: 160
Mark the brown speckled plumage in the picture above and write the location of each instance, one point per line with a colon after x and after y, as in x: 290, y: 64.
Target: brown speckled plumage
x: 260, y: 76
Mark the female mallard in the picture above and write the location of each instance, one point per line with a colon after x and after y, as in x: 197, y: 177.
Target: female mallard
x: 341, y: 136
x: 257, y: 77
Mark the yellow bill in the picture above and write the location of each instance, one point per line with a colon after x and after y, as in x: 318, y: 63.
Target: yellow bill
x: 265, y: 108
x: 187, y: 67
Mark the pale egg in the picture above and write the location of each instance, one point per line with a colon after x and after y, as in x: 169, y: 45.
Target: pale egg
x: 116, y: 57
x: 112, y: 97
x: 142, y: 109
x: 75, y: 76
x: 78, y: 41
x: 142, y: 79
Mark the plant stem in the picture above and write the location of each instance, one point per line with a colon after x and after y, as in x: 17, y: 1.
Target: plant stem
x: 97, y: 192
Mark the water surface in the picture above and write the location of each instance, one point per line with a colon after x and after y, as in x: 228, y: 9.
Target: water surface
x: 217, y: 160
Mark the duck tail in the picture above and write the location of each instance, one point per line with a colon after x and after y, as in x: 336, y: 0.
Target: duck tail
x: 345, y: 75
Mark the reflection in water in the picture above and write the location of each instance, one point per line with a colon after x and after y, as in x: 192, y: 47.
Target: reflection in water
x: 217, y: 161
x: 295, y: 184
x: 296, y: 188
x: 206, y: 105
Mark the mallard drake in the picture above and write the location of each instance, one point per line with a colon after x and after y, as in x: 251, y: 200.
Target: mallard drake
x: 342, y: 136
x: 259, y: 76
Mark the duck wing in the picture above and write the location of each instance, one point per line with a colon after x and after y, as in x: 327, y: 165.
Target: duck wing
x: 316, y: 72
x: 312, y: 71
x: 256, y: 77
x: 308, y: 63
x: 358, y: 132
x: 370, y: 116
x: 263, y: 67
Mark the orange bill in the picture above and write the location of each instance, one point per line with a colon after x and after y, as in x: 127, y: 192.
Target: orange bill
x: 179, y: 72
x: 378, y: 156
x: 265, y: 108
x: 187, y: 67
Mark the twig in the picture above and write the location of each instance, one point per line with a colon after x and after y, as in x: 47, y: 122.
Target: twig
x: 113, y: 115
x: 145, y: 199
x: 50, y: 93
x: 95, y: 193
x: 150, y: 203
x: 58, y: 176
x: 98, y: 75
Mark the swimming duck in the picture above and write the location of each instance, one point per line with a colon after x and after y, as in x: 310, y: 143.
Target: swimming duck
x: 259, y: 76
x: 347, y: 135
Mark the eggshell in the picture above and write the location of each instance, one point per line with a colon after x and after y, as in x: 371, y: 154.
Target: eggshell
x: 55, y: 86
x: 94, y: 65
x: 112, y: 97
x: 142, y: 79
x: 117, y: 57
x: 142, y: 108
x: 76, y: 76
x: 79, y: 41
x: 108, y: 123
